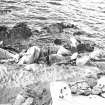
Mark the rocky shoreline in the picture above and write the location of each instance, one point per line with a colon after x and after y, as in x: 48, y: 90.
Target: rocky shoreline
x: 31, y: 81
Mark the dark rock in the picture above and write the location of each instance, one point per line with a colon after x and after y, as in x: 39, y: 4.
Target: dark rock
x: 78, y: 33
x: 57, y: 41
x: 58, y: 27
x: 85, y: 47
x: 20, y: 30
x: 3, y: 32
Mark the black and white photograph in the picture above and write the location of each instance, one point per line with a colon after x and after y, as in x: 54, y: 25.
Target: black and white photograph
x: 52, y: 52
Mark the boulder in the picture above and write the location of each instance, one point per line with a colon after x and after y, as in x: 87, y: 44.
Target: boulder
x: 20, y: 31
x: 30, y: 56
x: 82, y: 60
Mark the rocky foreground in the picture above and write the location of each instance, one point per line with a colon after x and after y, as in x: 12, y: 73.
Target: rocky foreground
x: 30, y: 83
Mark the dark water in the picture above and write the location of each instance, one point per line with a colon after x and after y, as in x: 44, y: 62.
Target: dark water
x: 87, y: 14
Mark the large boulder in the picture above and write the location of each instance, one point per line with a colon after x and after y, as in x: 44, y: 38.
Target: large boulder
x: 20, y: 31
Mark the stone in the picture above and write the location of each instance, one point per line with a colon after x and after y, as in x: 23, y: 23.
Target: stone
x: 19, y: 100
x: 54, y: 28
x: 62, y: 51
x: 74, y: 56
x: 82, y: 60
x: 74, y: 89
x: 73, y: 42
x: 30, y: 56
x: 4, y: 54
x: 96, y: 91
x: 103, y: 95
x: 81, y: 88
x: 58, y: 27
x: 91, y: 81
x: 20, y: 31
x: 55, y: 58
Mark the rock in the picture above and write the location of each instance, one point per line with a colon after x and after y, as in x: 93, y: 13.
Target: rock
x: 74, y: 89
x: 28, y: 101
x: 92, y: 81
x: 81, y: 88
x: 84, y: 48
x: 54, y: 28
x: 73, y: 41
x: 4, y: 54
x: 19, y: 100
x: 95, y: 54
x: 3, y: 33
x: 103, y: 95
x: 82, y: 60
x: 20, y: 31
x: 30, y: 56
x: 103, y: 89
x: 55, y: 58
x: 63, y: 52
x: 74, y: 55
x: 101, y: 82
x: 96, y: 90
x: 58, y: 27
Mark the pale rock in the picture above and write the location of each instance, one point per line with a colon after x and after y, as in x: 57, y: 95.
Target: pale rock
x: 73, y: 41
x: 30, y: 56
x: 96, y: 90
x: 28, y: 101
x: 95, y: 54
x: 19, y: 100
x: 101, y: 82
x: 62, y: 51
x: 74, y: 55
x: 82, y: 60
x: 103, y: 95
